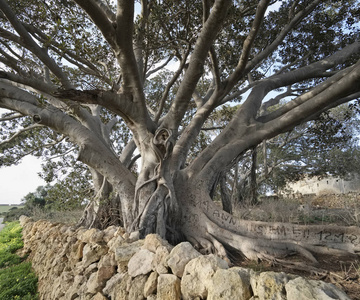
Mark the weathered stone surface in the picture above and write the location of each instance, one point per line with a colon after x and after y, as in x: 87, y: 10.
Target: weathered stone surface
x: 69, y: 268
x: 168, y: 287
x: 92, y: 285
x: 151, y: 284
x: 112, y: 282
x: 230, y: 284
x: 92, y: 253
x: 121, y: 289
x: 99, y: 296
x: 153, y: 241
x: 23, y: 220
x: 109, y: 233
x: 302, y: 289
x: 270, y: 285
x: 159, y: 263
x: 136, y: 290
x: 106, y: 267
x: 179, y: 256
x: 73, y: 291
x: 115, y: 242
x: 141, y: 263
x: 91, y: 236
x: 124, y: 251
x: 198, y: 275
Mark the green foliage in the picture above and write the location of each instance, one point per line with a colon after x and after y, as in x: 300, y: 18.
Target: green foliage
x: 17, y: 281
x: 323, y: 147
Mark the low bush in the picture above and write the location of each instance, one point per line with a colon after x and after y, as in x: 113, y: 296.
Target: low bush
x: 17, y: 280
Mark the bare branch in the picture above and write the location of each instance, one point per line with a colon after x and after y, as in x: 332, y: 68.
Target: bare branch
x: 332, y: 81
x: 100, y: 19
x: 292, y: 24
x: 170, y: 84
x: 10, y: 117
x: 30, y: 81
x: 195, y: 70
x: 148, y: 74
x: 239, y: 70
x: 31, y: 45
x: 18, y: 133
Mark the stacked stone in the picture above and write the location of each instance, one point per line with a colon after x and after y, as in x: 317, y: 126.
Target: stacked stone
x: 77, y: 264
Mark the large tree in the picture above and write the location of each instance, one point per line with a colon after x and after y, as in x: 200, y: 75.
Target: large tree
x: 78, y: 74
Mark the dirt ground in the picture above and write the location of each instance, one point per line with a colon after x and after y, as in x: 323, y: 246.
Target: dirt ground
x: 324, y: 209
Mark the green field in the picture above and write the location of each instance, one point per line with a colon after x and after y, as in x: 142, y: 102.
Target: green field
x: 6, y: 208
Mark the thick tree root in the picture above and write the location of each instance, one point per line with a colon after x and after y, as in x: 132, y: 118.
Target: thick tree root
x: 212, y: 230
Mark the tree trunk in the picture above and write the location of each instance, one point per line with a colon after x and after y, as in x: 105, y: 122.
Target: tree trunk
x: 252, y: 200
x: 225, y: 197
x: 209, y: 228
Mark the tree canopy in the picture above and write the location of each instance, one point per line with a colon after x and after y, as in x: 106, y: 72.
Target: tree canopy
x: 86, y: 80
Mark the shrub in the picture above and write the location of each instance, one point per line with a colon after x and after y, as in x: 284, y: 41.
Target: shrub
x: 17, y: 281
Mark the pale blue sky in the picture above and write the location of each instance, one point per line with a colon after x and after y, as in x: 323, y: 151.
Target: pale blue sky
x: 17, y: 181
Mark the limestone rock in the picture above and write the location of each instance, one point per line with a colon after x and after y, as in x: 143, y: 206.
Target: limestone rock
x: 23, y: 220
x: 141, y: 263
x: 179, y: 256
x: 115, y: 242
x: 270, y: 285
x: 198, y: 274
x: 302, y: 289
x: 151, y: 284
x: 230, y: 284
x: 129, y: 288
x: 92, y: 285
x: 121, y: 289
x: 92, y: 253
x: 112, y: 282
x: 106, y: 267
x: 99, y: 296
x: 109, y: 233
x: 92, y: 235
x: 73, y: 291
x: 160, y: 260
x: 123, y: 253
x: 153, y: 241
x: 136, y: 290
x: 168, y: 287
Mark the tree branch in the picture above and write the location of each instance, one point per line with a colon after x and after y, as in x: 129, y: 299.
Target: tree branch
x: 11, y: 116
x: 31, y: 45
x: 237, y: 75
x: 100, y: 18
x: 13, y: 137
x: 170, y: 84
x: 195, y: 70
x: 239, y: 70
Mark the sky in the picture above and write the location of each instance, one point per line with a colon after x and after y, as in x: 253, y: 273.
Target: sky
x: 17, y: 181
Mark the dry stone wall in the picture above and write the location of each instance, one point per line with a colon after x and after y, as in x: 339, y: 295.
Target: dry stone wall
x: 77, y: 264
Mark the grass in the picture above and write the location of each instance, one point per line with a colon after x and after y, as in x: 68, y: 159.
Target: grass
x: 5, y: 208
x: 17, y: 280
x: 325, y: 209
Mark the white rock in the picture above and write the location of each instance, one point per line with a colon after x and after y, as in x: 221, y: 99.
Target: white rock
x: 230, y: 284
x: 168, y: 287
x: 151, y: 284
x: 198, y: 274
x: 270, y: 285
x: 141, y: 263
x: 302, y: 289
x: 179, y: 256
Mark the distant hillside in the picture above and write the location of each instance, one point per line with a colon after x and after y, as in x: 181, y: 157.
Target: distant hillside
x: 4, y: 208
